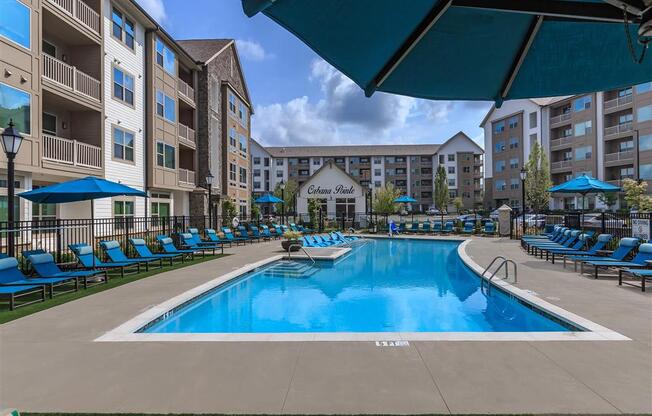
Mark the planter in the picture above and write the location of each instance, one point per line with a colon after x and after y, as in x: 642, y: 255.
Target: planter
x: 287, y: 243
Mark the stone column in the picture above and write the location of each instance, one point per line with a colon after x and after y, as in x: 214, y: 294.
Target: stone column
x: 504, y: 218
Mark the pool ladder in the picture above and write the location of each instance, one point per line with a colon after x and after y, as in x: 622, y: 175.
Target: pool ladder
x: 302, y: 249
x: 504, y: 263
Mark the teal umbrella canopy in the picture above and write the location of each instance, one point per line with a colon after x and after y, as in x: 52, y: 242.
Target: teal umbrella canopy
x: 405, y: 199
x: 584, y: 184
x: 473, y: 49
x: 79, y: 190
x: 267, y: 199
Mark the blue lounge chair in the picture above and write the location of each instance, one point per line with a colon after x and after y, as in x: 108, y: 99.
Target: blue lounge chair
x: 255, y: 232
x: 469, y: 227
x: 639, y: 261
x: 601, y: 242
x: 213, y: 237
x: 168, y: 247
x: 228, y: 234
x: 293, y: 227
x: 115, y: 254
x: 625, y: 248
x: 144, y: 252
x: 278, y: 230
x: 414, y: 227
x: 489, y: 228
x: 245, y: 234
x: 264, y: 232
x: 570, y: 237
x: 437, y: 227
x: 425, y: 228
x: 577, y: 245
x: 196, y: 239
x: 346, y: 237
x: 285, y: 228
x: 43, y: 264
x: 13, y: 288
x: 12, y: 276
x: 88, y: 260
x: 305, y: 230
x: 314, y: 242
x: 643, y: 275
x: 449, y: 227
x: 188, y: 243
x: 306, y: 242
x: 401, y: 227
x: 320, y: 239
x: 545, y: 236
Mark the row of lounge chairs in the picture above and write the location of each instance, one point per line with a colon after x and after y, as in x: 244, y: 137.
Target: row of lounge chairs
x: 631, y: 259
x: 327, y: 240
x: 438, y: 228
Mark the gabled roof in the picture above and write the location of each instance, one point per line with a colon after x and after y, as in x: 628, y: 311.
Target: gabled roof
x: 463, y: 136
x: 330, y: 164
x: 205, y: 50
x: 541, y: 102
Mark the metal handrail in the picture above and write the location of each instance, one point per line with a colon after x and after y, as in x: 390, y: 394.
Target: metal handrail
x: 504, y: 262
x: 302, y: 249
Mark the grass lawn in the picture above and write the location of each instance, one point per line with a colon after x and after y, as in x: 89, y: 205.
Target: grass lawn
x: 114, y: 281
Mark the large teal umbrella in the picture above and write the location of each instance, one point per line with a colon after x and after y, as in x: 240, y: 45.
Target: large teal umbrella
x: 474, y: 49
x: 405, y: 199
x: 583, y: 185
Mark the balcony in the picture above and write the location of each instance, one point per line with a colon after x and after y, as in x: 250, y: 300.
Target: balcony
x: 81, y: 12
x: 560, y: 118
x: 71, y: 78
x: 618, y: 103
x: 563, y: 165
x: 71, y: 152
x: 561, y: 142
x: 187, y: 135
x: 626, y: 156
x: 618, y: 129
x: 186, y: 178
x: 186, y: 91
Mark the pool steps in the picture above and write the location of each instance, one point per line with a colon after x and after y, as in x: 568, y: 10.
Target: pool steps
x: 291, y: 269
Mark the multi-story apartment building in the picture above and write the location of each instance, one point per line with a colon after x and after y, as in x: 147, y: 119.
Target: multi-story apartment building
x: 410, y: 168
x: 224, y: 131
x: 607, y: 135
x: 98, y: 88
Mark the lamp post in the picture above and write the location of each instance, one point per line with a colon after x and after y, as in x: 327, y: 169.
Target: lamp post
x: 523, y: 175
x: 282, y: 186
x: 371, y: 196
x: 11, y: 141
x: 209, y: 186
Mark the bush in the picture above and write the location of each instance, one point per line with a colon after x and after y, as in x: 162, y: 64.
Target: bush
x: 292, y: 235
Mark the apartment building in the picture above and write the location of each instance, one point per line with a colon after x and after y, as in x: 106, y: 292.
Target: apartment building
x: 607, y: 135
x: 410, y: 168
x: 98, y: 88
x: 224, y: 130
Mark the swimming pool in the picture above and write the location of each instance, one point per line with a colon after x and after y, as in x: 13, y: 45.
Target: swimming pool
x: 382, y: 285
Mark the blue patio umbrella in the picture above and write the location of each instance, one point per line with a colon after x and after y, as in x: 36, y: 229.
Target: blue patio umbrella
x: 583, y: 185
x: 84, y: 189
x: 267, y: 199
x: 405, y: 199
x: 474, y: 49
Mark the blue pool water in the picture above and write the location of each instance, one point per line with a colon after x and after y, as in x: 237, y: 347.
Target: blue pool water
x: 383, y: 286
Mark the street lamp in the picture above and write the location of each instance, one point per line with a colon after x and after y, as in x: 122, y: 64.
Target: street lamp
x: 11, y: 141
x: 523, y: 175
x: 282, y: 186
x: 371, y: 196
x: 209, y: 186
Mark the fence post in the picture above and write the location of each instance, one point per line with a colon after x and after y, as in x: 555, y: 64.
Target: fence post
x: 343, y: 225
x: 58, y: 242
x: 603, y: 225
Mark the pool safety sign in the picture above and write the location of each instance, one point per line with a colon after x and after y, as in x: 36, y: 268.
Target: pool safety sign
x: 641, y: 228
x: 392, y: 344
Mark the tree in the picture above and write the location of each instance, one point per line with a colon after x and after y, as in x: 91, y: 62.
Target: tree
x: 609, y: 199
x: 228, y: 211
x: 537, y: 180
x: 287, y: 195
x: 635, y: 195
x: 313, y: 211
x: 255, y: 210
x: 442, y: 195
x: 384, y: 199
x: 458, y: 203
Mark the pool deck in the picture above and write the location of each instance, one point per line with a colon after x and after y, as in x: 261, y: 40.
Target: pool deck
x: 50, y: 362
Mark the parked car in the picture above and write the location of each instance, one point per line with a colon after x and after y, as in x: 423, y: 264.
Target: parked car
x: 473, y: 217
x: 433, y: 211
x: 594, y: 220
x: 532, y: 220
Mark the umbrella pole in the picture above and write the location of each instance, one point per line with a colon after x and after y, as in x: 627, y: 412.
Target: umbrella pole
x: 93, y: 231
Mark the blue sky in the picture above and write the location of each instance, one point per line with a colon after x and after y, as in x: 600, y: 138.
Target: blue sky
x: 300, y: 99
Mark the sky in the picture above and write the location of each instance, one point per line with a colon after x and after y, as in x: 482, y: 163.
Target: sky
x: 300, y: 99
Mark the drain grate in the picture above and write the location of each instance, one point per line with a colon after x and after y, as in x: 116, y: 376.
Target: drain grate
x: 392, y: 343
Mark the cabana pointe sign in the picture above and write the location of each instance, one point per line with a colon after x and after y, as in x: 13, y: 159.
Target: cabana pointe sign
x: 336, y: 190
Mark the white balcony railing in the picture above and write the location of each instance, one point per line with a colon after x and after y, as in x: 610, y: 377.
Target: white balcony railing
x: 186, y: 90
x: 186, y: 132
x: 71, y: 152
x: 618, y: 102
x: 186, y: 177
x: 564, y: 164
x: 80, y: 11
x: 620, y: 128
x: 70, y: 77
x: 560, y: 118
x: 564, y: 141
x: 619, y: 156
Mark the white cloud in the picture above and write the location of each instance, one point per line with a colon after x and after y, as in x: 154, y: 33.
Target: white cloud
x: 155, y: 8
x: 252, y: 50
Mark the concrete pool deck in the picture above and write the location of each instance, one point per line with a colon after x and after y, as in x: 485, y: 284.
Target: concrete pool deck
x: 49, y: 361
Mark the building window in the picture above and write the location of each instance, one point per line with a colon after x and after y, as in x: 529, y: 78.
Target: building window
x: 165, y: 57
x: 304, y: 172
x: 123, y: 145
x: 243, y: 143
x: 582, y: 103
x: 401, y: 171
x: 123, y: 213
x: 340, y: 160
x: 513, y: 143
x: 514, y: 184
x: 160, y: 209
x: 533, y: 120
x: 644, y: 114
x: 266, y: 162
x: 645, y: 142
x: 232, y: 105
x: 451, y: 170
x: 499, y: 147
x: 583, y: 153
x: 451, y: 182
x: 256, y: 161
x: 233, y: 138
x: 583, y: 128
x: 48, y: 48
x: 242, y: 114
x: 243, y: 175
x: 627, y: 173
x: 625, y: 92
x: 123, y: 86
x: 279, y: 162
x: 513, y: 122
x: 513, y: 163
x: 500, y: 166
x: 232, y: 172
x: 165, y: 106
x: 626, y: 146
x: 451, y: 158
x: 256, y: 172
x: 15, y: 22
x: 279, y: 173
x: 500, y: 185
x: 378, y: 172
x: 533, y: 140
x: 646, y: 171
x: 499, y: 127
x: 123, y: 28
x: 16, y: 105
x: 165, y: 155
x: 316, y: 162
x: 49, y: 124
x: 642, y: 88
